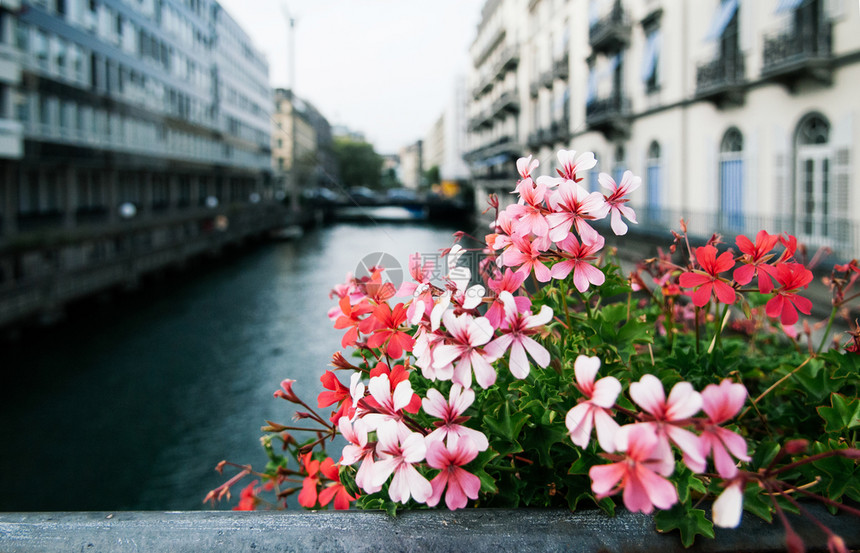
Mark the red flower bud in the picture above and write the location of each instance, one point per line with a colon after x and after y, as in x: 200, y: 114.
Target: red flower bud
x: 835, y: 544
x: 793, y: 447
x: 287, y: 391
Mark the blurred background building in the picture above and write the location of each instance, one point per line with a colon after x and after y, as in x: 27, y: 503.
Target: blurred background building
x: 739, y: 115
x: 133, y: 135
x: 315, y: 165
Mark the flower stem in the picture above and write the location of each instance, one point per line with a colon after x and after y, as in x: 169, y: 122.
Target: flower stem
x: 774, y: 385
x: 827, y: 330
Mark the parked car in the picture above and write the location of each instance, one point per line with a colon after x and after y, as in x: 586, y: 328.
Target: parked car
x: 402, y: 196
x: 362, y: 195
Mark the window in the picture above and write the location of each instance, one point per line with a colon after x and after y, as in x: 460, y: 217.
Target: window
x: 812, y: 190
x: 651, y: 60
x: 654, y: 175
x: 732, y: 180
x: 620, y: 164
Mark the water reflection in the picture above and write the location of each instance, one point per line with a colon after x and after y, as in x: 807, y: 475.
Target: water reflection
x: 132, y: 410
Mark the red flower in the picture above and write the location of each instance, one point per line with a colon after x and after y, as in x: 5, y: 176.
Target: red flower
x: 335, y: 490
x: 247, y: 498
x: 338, y: 394
x: 708, y: 278
x: 350, y: 319
x: 786, y: 303
x: 756, y: 260
x: 388, y: 330
x: 308, y: 495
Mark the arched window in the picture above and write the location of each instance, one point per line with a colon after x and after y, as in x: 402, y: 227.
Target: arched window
x: 732, y: 179
x: 654, y: 175
x: 812, y: 183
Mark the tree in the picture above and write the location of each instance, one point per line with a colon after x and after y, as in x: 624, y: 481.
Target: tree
x: 359, y: 164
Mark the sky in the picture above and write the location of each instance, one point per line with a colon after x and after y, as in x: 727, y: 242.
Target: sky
x: 386, y: 68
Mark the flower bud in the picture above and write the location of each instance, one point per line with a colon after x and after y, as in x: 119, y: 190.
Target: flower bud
x: 287, y: 391
x: 493, y: 200
x: 793, y: 543
x: 836, y: 544
x: 683, y: 225
x: 338, y: 361
x: 793, y: 447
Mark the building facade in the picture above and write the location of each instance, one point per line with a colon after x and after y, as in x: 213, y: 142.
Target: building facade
x: 738, y: 114
x: 315, y: 164
x: 133, y: 135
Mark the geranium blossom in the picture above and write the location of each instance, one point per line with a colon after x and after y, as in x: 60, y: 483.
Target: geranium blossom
x: 614, y: 204
x: 708, y: 278
x: 639, y: 473
x: 351, y: 318
x: 383, y: 405
x: 337, y: 393
x: 358, y: 449
x: 398, y: 455
x: 463, y: 352
x: 755, y: 260
x: 578, y: 259
x: 670, y: 415
x: 451, y: 427
x: 526, y: 255
x: 509, y: 282
x: 721, y: 403
x: 572, y: 207
x: 388, y: 330
x: 786, y: 303
x: 460, y: 483
x: 516, y: 330
x: 594, y: 410
x: 334, y: 490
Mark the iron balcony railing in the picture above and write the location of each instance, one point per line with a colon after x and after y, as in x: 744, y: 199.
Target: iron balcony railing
x: 609, y: 115
x: 721, y: 78
x: 807, y: 48
x: 611, y: 32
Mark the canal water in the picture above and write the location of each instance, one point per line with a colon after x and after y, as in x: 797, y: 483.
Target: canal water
x: 132, y: 403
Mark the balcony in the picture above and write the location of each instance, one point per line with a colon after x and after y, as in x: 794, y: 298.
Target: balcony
x: 560, y: 130
x: 722, y: 81
x: 610, y: 115
x: 560, y: 68
x: 508, y: 61
x: 799, y: 53
x: 611, y: 32
x: 533, y: 141
x: 546, y: 79
x: 507, y: 103
x: 534, y: 88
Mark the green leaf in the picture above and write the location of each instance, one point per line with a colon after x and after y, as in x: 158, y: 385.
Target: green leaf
x: 506, y: 424
x: 757, y: 504
x: 689, y: 522
x: 844, y: 413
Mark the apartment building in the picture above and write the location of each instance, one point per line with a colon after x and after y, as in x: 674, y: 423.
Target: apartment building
x: 133, y: 135
x: 315, y: 164
x: 737, y: 114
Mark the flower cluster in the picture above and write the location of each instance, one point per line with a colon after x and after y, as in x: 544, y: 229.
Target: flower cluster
x: 484, y: 387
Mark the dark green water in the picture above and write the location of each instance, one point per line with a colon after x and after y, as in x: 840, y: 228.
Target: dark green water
x: 130, y: 406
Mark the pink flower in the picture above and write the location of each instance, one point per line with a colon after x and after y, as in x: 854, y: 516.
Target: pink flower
x: 729, y: 506
x: 468, y: 335
x: 383, y: 405
x: 525, y: 166
x: 573, y: 206
x: 510, y: 282
x: 786, y: 303
x: 669, y: 415
x: 460, y: 483
x: 397, y: 456
x: 526, y: 254
x: 578, y: 257
x: 708, y: 278
x: 451, y: 413
x: 638, y: 473
x: 721, y: 403
x: 594, y: 411
x: 614, y: 203
x: 527, y: 213
x: 358, y: 449
x: 516, y: 329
